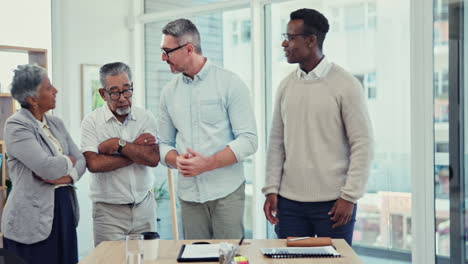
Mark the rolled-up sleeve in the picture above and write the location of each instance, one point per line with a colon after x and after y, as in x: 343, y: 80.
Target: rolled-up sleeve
x: 166, y: 131
x: 242, y: 119
x: 74, y: 175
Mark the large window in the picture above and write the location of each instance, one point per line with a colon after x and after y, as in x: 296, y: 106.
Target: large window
x: 384, y: 213
x: 451, y: 130
x: 441, y: 129
x: 372, y: 40
x: 170, y: 5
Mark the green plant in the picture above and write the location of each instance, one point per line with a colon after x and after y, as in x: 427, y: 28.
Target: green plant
x: 160, y: 192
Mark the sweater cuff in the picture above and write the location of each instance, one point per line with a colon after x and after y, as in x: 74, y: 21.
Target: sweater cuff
x: 348, y: 198
x: 69, y: 164
x: 74, y: 175
x: 271, y: 189
x: 163, y: 150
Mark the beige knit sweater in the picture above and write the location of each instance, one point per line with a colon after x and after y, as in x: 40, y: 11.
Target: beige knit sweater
x: 321, y: 141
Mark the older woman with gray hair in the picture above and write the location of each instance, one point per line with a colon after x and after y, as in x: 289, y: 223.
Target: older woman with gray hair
x: 41, y: 214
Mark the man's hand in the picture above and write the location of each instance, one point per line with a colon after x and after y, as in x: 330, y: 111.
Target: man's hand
x: 109, y: 146
x: 145, y: 139
x: 270, y: 208
x: 342, y: 212
x: 180, y: 158
x: 193, y: 163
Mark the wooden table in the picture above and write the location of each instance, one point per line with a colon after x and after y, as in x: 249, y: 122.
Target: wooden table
x: 114, y: 252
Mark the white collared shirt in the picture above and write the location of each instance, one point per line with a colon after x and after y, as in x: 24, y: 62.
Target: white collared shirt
x: 318, y: 72
x: 72, y: 172
x: 129, y: 184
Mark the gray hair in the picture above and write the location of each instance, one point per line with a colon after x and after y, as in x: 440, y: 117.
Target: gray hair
x: 26, y: 81
x: 113, y: 69
x: 185, y: 32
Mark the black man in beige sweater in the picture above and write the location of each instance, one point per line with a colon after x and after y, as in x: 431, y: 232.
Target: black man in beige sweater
x: 321, y: 142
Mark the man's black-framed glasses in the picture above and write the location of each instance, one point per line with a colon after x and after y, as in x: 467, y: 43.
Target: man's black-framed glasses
x: 289, y: 37
x: 116, y: 95
x: 167, y: 52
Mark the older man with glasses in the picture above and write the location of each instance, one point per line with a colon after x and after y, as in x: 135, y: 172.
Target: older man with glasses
x: 119, y: 144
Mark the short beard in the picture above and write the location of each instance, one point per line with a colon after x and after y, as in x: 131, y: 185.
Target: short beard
x: 176, y: 71
x: 121, y: 112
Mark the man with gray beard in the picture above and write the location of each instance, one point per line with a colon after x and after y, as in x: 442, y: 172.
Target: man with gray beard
x: 207, y: 129
x: 119, y: 144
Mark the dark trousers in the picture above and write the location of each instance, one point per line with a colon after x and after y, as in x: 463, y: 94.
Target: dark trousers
x: 61, y: 246
x: 298, y: 219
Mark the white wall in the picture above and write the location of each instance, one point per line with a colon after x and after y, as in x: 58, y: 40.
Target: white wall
x: 24, y: 27
x: 84, y: 32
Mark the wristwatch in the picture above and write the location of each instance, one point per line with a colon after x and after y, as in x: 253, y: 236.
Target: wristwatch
x: 122, y: 143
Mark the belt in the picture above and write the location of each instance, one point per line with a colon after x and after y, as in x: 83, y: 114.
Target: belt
x: 133, y: 205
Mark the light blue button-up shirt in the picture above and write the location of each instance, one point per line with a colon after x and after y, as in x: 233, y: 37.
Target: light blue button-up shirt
x: 207, y: 114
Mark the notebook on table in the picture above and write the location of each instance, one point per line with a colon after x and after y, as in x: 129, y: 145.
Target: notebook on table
x: 199, y: 253
x: 301, y: 252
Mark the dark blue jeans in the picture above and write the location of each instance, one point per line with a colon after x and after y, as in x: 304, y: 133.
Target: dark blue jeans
x: 299, y: 219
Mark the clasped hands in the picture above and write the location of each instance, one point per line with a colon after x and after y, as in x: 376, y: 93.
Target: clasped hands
x: 193, y: 163
x: 111, y: 145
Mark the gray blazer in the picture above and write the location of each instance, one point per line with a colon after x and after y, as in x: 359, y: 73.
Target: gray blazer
x: 29, y: 211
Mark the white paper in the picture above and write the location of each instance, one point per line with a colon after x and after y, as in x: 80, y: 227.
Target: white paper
x: 201, y: 251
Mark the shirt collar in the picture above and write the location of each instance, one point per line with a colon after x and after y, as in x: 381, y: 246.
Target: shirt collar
x: 43, y: 123
x: 108, y: 115
x: 318, y: 72
x: 201, y: 75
